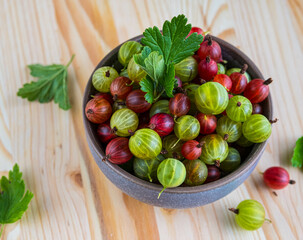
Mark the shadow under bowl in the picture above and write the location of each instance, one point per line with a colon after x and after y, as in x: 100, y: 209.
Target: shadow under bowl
x: 180, y: 197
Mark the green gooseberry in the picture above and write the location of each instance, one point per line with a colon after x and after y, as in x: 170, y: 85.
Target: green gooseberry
x: 124, y: 73
x: 250, y: 214
x: 211, y: 98
x: 190, y: 92
x: 232, y: 161
x: 196, y: 172
x: 135, y: 72
x: 187, y: 69
x: 256, y: 128
x: 146, y: 169
x: 172, y: 147
x: 239, y: 108
x: 215, y: 149
x: 145, y: 144
x: 221, y: 68
x: 228, y: 129
x: 187, y: 128
x: 171, y: 173
x: 243, y: 142
x: 123, y: 121
x: 127, y: 51
x: 232, y: 70
x: 161, y: 106
x: 103, y: 77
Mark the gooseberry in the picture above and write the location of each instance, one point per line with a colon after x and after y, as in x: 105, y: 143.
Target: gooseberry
x: 98, y: 110
x: 239, y: 80
x: 208, y: 123
x: 196, y: 172
x: 207, y: 69
x: 121, y: 87
x: 146, y: 169
x: 103, y: 77
x: 228, y: 129
x: 239, y: 108
x: 257, y: 90
x: 135, y: 101
x: 117, y: 151
x: 162, y: 106
x: 134, y: 71
x: 105, y: 133
x: 224, y: 80
x: 123, y: 121
x: 127, y: 51
x: 232, y: 161
x: 213, y: 173
x: 192, y: 149
x: 277, y: 178
x: 179, y: 105
x: 210, y: 48
x: 162, y: 123
x: 187, y: 69
x: 187, y: 128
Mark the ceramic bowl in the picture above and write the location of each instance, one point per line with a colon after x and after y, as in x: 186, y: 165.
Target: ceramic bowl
x: 180, y: 197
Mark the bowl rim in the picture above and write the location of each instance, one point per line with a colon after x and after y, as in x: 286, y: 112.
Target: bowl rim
x: 251, y: 159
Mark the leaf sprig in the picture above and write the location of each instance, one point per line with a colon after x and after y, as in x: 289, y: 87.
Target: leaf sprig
x: 51, y: 84
x: 161, y: 52
x: 297, y: 158
x: 14, y: 200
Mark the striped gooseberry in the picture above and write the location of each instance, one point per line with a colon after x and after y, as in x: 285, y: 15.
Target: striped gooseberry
x: 135, y: 72
x: 215, y: 149
x: 160, y: 106
x: 179, y: 105
x: 277, y: 178
x: 211, y: 98
x: 123, y: 121
x: 135, y: 101
x: 106, y: 96
x: 257, y: 90
x: 187, y: 128
x: 207, y: 69
x: 162, y: 123
x: 256, y: 128
x: 121, y: 87
x: 98, y: 110
x: 171, y: 173
x: 117, y: 151
x: 224, y: 80
x: 250, y: 214
x: 208, y: 123
x: 239, y: 108
x: 146, y: 169
x: 239, y: 81
x: 196, y: 172
x: 145, y: 144
x: 103, y: 77
x: 105, y: 133
x: 210, y: 48
x: 228, y: 129
x: 243, y: 142
x: 192, y: 149
x: 127, y: 51
x: 187, y: 69
x: 232, y: 70
x: 190, y: 90
x: 232, y: 161
x: 221, y: 68
x: 172, y: 147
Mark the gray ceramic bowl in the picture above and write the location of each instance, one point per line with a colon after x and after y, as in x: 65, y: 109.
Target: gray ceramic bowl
x: 180, y: 197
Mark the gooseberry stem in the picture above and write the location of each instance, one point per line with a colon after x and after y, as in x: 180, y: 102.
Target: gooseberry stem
x: 234, y: 210
x: 161, y: 192
x: 268, y: 220
x: 292, y: 181
x: 244, y: 68
x: 268, y: 81
x: 225, y: 137
x: 67, y: 65
x: 209, y: 40
x: 164, y: 151
x: 114, y: 130
x: 159, y: 95
x: 90, y: 111
x: 217, y: 163
x: 273, y: 120
x: 200, y: 144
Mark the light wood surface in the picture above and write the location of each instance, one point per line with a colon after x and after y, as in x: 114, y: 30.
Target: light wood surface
x: 73, y: 199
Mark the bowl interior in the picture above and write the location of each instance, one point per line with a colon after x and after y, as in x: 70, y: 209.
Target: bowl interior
x: 235, y: 58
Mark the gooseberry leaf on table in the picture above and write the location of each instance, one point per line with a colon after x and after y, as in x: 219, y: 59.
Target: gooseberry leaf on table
x: 14, y: 200
x: 297, y: 158
x: 51, y: 84
x: 173, y: 44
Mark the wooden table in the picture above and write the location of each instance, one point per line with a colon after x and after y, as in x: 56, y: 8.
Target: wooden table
x: 73, y: 199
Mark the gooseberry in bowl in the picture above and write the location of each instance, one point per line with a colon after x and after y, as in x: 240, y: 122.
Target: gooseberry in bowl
x: 124, y: 124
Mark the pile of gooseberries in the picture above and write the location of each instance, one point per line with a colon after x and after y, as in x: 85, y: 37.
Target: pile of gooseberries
x: 193, y: 138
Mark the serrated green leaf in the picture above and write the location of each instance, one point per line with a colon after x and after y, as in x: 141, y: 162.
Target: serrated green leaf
x: 13, y: 198
x: 147, y: 85
x: 51, y: 84
x: 173, y: 44
x: 169, y: 80
x: 297, y: 158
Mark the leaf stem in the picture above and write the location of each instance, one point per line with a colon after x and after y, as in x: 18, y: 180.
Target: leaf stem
x: 159, y: 95
x: 70, y: 61
x: 1, y: 230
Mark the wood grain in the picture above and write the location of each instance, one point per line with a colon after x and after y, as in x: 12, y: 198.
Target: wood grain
x: 73, y: 199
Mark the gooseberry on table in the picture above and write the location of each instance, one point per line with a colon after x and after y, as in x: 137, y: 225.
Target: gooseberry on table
x: 171, y: 173
x: 250, y: 214
x: 277, y: 178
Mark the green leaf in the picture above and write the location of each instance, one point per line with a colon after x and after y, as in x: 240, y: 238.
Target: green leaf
x: 152, y: 63
x: 147, y: 85
x: 297, y: 158
x: 13, y: 198
x: 169, y: 80
x: 51, y: 84
x: 173, y: 44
